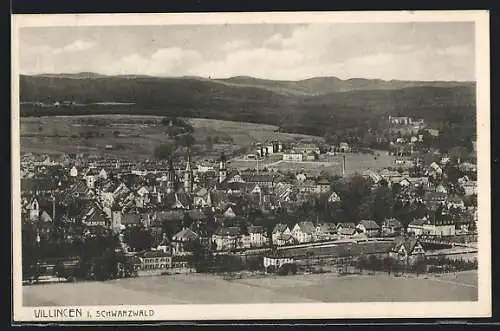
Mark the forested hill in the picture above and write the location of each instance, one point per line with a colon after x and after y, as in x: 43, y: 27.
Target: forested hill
x: 313, y: 106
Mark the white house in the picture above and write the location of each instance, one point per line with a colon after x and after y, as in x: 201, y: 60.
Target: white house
x: 368, y: 227
x: 103, y: 174
x: 226, y: 238
x: 334, y: 197
x: 279, y: 230
x: 73, y: 172
x: 437, y: 228
x: 344, y: 147
x: 258, y: 236
x: 301, y: 177
x: 303, y: 232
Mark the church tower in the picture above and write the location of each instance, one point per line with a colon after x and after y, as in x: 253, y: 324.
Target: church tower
x: 188, y: 177
x: 170, y: 177
x: 222, y: 168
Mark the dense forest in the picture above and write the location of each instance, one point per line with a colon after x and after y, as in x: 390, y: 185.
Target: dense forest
x: 319, y: 106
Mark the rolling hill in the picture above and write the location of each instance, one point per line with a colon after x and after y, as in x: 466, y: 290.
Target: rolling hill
x: 310, y: 106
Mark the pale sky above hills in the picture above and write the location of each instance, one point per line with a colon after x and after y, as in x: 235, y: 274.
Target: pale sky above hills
x: 405, y: 51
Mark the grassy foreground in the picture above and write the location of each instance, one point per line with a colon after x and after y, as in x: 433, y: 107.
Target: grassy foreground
x: 210, y: 289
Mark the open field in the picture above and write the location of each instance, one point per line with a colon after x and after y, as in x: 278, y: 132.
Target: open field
x: 135, y: 135
x: 355, y: 163
x: 210, y: 289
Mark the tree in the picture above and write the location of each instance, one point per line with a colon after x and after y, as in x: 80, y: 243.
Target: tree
x: 138, y: 238
x: 164, y: 151
x: 209, y: 143
x: 187, y: 140
x: 187, y: 221
x: 351, y: 192
x: 452, y: 173
x: 383, y: 203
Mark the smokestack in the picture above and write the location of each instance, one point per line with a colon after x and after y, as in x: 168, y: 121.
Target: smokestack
x: 343, y: 165
x: 53, y: 208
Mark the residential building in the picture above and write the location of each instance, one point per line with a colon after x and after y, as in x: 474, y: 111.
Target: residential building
x: 407, y: 250
x: 303, y: 232
x: 184, y: 242
x: 325, y: 231
x: 258, y: 236
x: 226, y: 238
x: 391, y: 227
x: 368, y: 227
x: 155, y: 261
x: 346, y: 229
x: 280, y: 234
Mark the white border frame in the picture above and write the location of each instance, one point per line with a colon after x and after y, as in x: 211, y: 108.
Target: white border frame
x: 481, y: 308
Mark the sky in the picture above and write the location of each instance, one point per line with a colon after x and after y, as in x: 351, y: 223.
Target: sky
x: 427, y: 51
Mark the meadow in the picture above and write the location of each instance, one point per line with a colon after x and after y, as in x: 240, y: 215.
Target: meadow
x: 212, y: 289
x: 135, y: 136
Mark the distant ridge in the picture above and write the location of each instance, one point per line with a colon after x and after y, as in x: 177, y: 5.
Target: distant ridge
x: 309, y: 106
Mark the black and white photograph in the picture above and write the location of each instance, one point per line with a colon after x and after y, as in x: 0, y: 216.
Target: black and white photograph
x: 251, y: 166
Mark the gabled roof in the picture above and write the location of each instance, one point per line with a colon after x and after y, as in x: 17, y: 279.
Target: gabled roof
x: 346, y: 225
x: 96, y: 215
x: 328, y: 228
x: 306, y: 227
x: 287, y: 237
x: 369, y: 225
x: 280, y: 227
x: 237, y: 210
x: 256, y: 229
x: 334, y: 197
x: 45, y: 217
x: 409, y: 243
x: 392, y: 223
x: 418, y: 222
x: 185, y: 234
x: 184, y: 199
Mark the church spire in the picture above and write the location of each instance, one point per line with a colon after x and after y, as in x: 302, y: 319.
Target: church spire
x: 188, y: 176
x: 170, y: 176
x: 222, y: 168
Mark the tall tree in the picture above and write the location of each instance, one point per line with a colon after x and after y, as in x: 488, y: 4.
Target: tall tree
x: 383, y: 202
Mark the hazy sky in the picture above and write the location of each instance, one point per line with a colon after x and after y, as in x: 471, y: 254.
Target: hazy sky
x: 407, y: 51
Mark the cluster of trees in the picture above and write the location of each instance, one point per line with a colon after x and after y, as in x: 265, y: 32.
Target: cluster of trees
x: 390, y: 265
x: 97, y: 256
x: 283, y: 270
x: 358, y: 201
x: 445, y: 264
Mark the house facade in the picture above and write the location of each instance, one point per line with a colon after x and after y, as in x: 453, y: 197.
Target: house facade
x: 226, y: 238
x: 368, y: 227
x: 303, y: 232
x: 391, y: 227
x: 407, y: 250
x: 280, y: 233
x: 258, y: 236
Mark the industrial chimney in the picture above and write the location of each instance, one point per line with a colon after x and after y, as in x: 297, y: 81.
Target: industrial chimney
x: 343, y: 165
